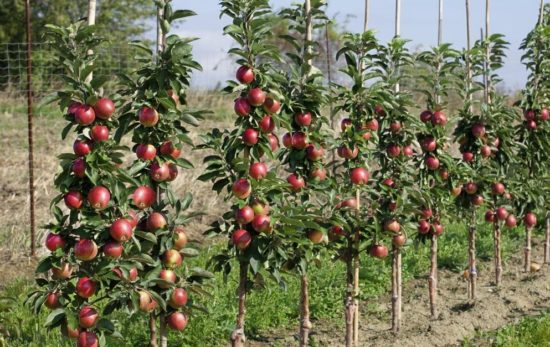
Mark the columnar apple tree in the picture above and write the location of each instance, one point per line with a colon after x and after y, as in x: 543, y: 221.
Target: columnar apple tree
x: 85, y: 269
x: 157, y: 117
x: 304, y: 147
x: 533, y: 133
x: 435, y: 163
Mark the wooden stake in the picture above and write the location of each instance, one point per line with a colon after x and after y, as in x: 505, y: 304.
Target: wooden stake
x: 91, y: 21
x: 541, y: 13
x: 356, y: 279
x: 498, y: 252
x: 238, y: 338
x: 349, y: 301
x: 305, y: 323
x: 547, y: 242
x: 440, y: 24
x: 468, y: 48
x: 309, y: 30
x: 366, y: 21
x: 432, y: 281
x: 163, y: 331
x: 527, y: 261
x: 153, y: 331
x: 472, y: 254
x: 487, y: 54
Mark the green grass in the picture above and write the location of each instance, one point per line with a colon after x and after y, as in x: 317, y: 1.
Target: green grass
x: 267, y: 309
x: 530, y: 332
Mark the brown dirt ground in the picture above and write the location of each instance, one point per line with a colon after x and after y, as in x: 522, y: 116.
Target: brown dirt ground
x: 519, y: 295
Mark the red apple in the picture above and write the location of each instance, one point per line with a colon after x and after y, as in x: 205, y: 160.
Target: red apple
x: 455, y: 191
x: 529, y: 115
x: 318, y: 173
x: 395, y: 127
x: 63, y: 272
x: 426, y: 213
x: 241, y: 239
x: 299, y: 140
x: 498, y: 188
x: 99, y: 197
x: 428, y: 144
x: 260, y: 208
x: 86, y: 287
x: 349, y: 203
x: 85, y: 249
x: 256, y: 97
x: 347, y: 153
x: 393, y: 150
x: 273, y: 142
x: 315, y: 236
x: 388, y: 182
x: 477, y: 200
x: 439, y: 118
x: 159, y: 172
x: 379, y: 110
x: 261, y: 224
x: 468, y: 157
x: 178, y: 298
x: 478, y: 130
x: 244, y: 215
x: 70, y: 332
x: 73, y: 199
x: 392, y: 226
x: 501, y: 213
x: 87, y: 317
x: 148, y: 117
x: 296, y: 183
x: 437, y: 228
x: 371, y: 125
x: 544, y: 114
x: 174, y: 95
x: 177, y: 321
x: 168, y: 149
x: 408, y: 151
x: 267, y: 125
x: 242, y: 188
x: 179, y: 238
x: 271, y: 105
x: 146, y: 302
x: 172, y: 258
x: 470, y: 188
x: 172, y: 172
x: 444, y: 174
x: 87, y: 339
x: 532, y: 125
x: 155, y: 221
x: 113, y: 249
x: 378, y: 251
x: 511, y: 221
x: 359, y: 175
x: 335, y: 232
x: 132, y: 274
x: 242, y: 107
x: 432, y: 163
x: 314, y: 152
x: 303, y: 119
x: 245, y: 74
x: 426, y: 116
x: 79, y: 167
x: 54, y: 242
x: 99, y: 133
x: 250, y: 137
x: 489, y: 216
x: 168, y: 276
x: 423, y: 227
x: 104, y: 108
x: 82, y: 147
x: 146, y: 152
x: 399, y: 240
x: 143, y: 197
x: 530, y: 220
x: 287, y: 140
x: 485, y: 151
x: 258, y: 171
x: 84, y: 115
x: 345, y: 124
x: 52, y: 301
x: 73, y: 107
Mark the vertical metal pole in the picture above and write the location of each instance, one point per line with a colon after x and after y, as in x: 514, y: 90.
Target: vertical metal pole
x: 91, y: 21
x: 468, y: 48
x: 309, y: 31
x: 367, y: 10
x: 397, y: 17
x: 29, y: 126
x: 487, y: 52
x: 440, y: 24
x: 541, y: 13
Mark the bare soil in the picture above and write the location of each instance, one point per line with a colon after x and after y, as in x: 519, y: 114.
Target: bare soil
x: 519, y: 295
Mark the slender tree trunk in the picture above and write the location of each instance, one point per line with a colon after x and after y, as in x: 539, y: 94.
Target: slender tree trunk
x: 547, y: 242
x: 152, y: 331
x: 305, y: 323
x: 356, y: 278
x: 163, y: 332
x: 498, y: 258
x: 349, y: 301
x: 527, y: 262
x: 395, y: 290
x: 238, y: 338
x: 432, y: 281
x: 472, y: 255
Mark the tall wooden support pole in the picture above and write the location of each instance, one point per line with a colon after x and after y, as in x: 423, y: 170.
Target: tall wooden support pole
x: 498, y: 248
x: 527, y: 260
x: 367, y: 10
x: 440, y: 24
x: 91, y: 21
x: 487, y: 53
x: 356, y: 279
x: 547, y: 237
x: 29, y: 127
x: 472, y: 255
x: 396, y: 251
x: 468, y: 48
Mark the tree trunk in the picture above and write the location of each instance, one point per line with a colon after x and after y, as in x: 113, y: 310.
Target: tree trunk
x: 527, y: 262
x: 395, y: 289
x: 152, y: 331
x: 356, y: 265
x: 432, y: 281
x: 472, y: 255
x: 349, y: 301
x: 305, y: 323
x: 163, y: 332
x: 547, y: 242
x: 238, y: 337
x: 498, y: 257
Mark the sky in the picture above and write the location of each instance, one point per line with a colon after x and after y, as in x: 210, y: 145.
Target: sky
x: 513, y: 18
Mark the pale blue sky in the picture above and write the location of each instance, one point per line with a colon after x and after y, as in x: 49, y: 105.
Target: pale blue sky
x: 513, y: 18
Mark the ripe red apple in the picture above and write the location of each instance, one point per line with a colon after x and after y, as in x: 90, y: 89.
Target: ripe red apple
x: 393, y: 150
x: 455, y: 191
x: 82, y: 147
x: 532, y: 125
x: 350, y: 203
x: 544, y: 114
x: 439, y: 118
x: 146, y: 302
x: 490, y: 216
x: 478, y: 130
x: 54, y: 242
x: 423, y: 227
x: 172, y: 258
x: 172, y: 172
x: 256, y: 97
x: 470, y: 188
x: 99, y: 197
x: 87, y: 317
x: 359, y: 175
x: 242, y: 107
x: 271, y: 105
x: 379, y: 110
x: 143, y: 197
x: 468, y: 157
x: 299, y: 140
x: 99, y: 133
x: 267, y: 125
x: 501, y: 213
x: 121, y: 230
x: 241, y: 188
x: 437, y: 228
x: 498, y: 188
x: 260, y: 208
x: 104, y: 108
x: 179, y: 238
x: 426, y: 213
x: 113, y: 249
x: 87, y: 339
x: 261, y: 224
x: 345, y: 124
x: 258, y: 171
x: 315, y: 236
x: 392, y: 226
x: 79, y: 167
x: 70, y: 332
x: 388, y: 182
x: 408, y: 151
x: 174, y: 95
x: 85, y: 287
x: 335, y: 232
x: 84, y: 115
x: 392, y: 206
x: 241, y: 238
x: 273, y: 142
x: 159, y: 172
x: 426, y: 116
x: 177, y: 321
x: 287, y: 140
x: 477, y: 200
x: 366, y: 136
x: 428, y: 144
x: 399, y: 240
x: 444, y: 174
x: 62, y: 272
x: 530, y: 220
x: 529, y: 115
x: 395, y: 127
x: 155, y: 221
x: 168, y: 276
x: 245, y: 74
x: 250, y: 137
x: 378, y: 251
x: 432, y: 163
x: 244, y: 215
x: 85, y: 249
x: 146, y: 152
x: 148, y: 117
x: 178, y: 298
x: 132, y: 274
x: 371, y: 125
x: 318, y: 173
x: 485, y: 151
x: 314, y: 152
x: 167, y: 148
x: 296, y: 183
x: 303, y: 119
x: 347, y: 153
x: 52, y: 301
x: 511, y: 221
x: 73, y: 107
